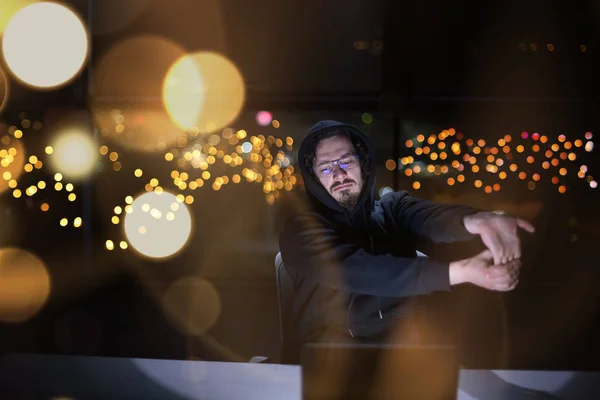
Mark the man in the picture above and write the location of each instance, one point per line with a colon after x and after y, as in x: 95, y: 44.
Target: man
x: 353, y: 259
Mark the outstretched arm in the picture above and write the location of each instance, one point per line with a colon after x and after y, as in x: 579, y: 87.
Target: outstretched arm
x: 440, y: 223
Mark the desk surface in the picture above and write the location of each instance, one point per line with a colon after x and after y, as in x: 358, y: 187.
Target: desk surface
x: 80, y: 378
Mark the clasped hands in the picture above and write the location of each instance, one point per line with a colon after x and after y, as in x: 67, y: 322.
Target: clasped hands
x: 496, y: 268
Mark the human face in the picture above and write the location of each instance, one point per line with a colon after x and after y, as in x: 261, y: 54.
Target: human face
x: 343, y: 184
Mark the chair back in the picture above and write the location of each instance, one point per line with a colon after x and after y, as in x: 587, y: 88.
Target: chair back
x: 285, y: 296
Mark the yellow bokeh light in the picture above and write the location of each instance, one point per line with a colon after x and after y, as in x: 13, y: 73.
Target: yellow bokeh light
x: 162, y: 238
x: 72, y: 197
x: 74, y: 155
x: 24, y: 285
x: 45, y: 45
x: 9, y: 9
x: 77, y: 222
x: 13, y: 159
x: 203, y: 89
x: 110, y: 245
x: 64, y: 222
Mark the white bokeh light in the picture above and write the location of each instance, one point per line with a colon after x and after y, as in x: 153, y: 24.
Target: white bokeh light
x: 247, y: 147
x: 45, y: 45
x: 385, y: 190
x: 158, y: 225
x: 75, y: 155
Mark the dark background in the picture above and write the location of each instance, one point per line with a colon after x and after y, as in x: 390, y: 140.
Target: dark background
x: 482, y: 68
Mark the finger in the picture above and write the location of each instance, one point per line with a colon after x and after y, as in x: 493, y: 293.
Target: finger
x: 495, y: 245
x: 486, y: 255
x: 496, y: 273
x: 526, y: 225
x: 515, y: 250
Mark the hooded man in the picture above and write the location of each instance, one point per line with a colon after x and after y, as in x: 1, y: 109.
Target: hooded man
x: 353, y: 259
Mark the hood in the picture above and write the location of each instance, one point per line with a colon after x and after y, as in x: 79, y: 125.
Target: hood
x: 318, y: 196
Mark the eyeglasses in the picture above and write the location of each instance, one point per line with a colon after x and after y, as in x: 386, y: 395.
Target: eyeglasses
x: 346, y: 163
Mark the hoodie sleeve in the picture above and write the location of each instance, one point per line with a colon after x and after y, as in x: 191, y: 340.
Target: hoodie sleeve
x: 440, y: 223
x: 318, y: 253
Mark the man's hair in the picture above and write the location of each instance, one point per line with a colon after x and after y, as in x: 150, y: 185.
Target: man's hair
x: 359, y: 147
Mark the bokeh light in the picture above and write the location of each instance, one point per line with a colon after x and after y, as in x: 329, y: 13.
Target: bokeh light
x: 9, y: 9
x: 192, y: 305
x: 24, y: 285
x: 264, y: 118
x: 385, y: 190
x: 156, y: 228
x: 136, y: 67
x: 45, y: 45
x: 203, y: 90
x: 12, y: 160
x: 4, y: 89
x: 498, y: 160
x: 74, y: 155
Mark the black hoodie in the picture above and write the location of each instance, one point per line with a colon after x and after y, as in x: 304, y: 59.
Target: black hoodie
x: 354, y: 270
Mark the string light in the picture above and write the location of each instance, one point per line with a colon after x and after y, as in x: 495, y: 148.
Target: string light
x: 495, y: 164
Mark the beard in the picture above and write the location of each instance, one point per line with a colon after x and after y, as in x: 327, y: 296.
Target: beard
x: 347, y: 199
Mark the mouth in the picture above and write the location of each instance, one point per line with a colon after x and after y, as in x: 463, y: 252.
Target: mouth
x: 342, y: 187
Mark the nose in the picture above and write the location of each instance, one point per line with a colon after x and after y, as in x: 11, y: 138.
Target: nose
x: 338, y: 172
